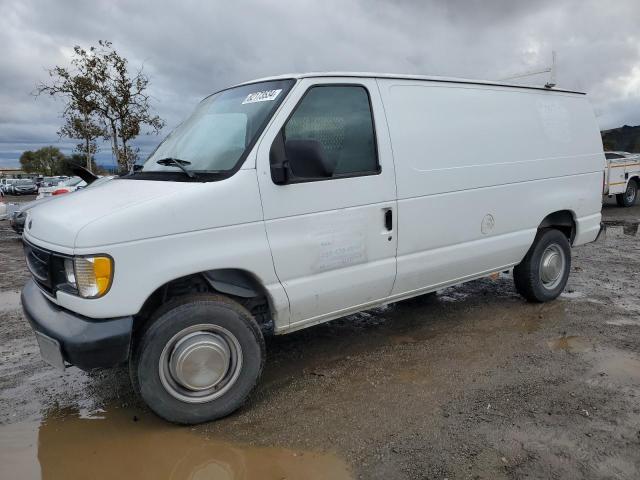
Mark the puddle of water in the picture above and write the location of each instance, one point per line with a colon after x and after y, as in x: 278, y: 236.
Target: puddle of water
x: 9, y: 301
x: 123, y: 443
x: 621, y: 366
x: 628, y: 227
x: 531, y: 321
x: 616, y: 370
x: 569, y: 344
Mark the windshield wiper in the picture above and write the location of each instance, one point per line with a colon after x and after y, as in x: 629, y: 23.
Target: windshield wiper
x: 177, y: 163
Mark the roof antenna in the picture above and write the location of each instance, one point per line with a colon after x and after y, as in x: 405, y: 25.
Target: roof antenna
x: 550, y: 70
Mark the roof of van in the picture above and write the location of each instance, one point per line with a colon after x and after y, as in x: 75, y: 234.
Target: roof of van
x: 408, y: 77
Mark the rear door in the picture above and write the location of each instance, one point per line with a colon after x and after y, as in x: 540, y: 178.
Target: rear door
x: 333, y: 240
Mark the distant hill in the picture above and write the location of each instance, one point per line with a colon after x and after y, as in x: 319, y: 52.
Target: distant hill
x: 626, y: 139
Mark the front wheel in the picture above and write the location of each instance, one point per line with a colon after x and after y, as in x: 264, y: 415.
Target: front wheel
x: 544, y: 271
x: 628, y: 198
x: 199, y: 359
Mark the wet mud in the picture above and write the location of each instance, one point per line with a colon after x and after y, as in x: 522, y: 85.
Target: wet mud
x: 470, y: 383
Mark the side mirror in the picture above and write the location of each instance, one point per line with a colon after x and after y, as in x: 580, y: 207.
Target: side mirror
x: 299, y: 160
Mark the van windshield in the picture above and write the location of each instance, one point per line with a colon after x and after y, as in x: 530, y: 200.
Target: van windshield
x: 218, y: 136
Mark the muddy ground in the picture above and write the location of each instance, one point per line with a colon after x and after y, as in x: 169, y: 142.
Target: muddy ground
x: 473, y: 383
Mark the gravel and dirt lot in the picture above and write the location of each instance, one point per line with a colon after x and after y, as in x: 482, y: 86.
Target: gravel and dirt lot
x: 473, y: 383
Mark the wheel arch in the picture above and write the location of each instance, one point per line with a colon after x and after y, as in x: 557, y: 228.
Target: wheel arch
x: 563, y: 220
x: 238, y: 284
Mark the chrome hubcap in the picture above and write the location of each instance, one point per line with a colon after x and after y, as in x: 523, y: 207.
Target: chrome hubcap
x: 552, y: 265
x: 200, y: 363
x: 200, y: 360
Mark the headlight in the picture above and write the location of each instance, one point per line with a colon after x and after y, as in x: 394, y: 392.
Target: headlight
x: 91, y: 276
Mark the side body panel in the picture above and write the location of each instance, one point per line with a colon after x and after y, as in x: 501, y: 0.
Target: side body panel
x: 478, y: 168
x: 330, y: 247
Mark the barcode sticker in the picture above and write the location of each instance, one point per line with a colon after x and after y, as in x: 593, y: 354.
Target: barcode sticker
x: 264, y: 96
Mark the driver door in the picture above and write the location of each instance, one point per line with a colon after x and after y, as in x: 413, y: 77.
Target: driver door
x: 333, y: 239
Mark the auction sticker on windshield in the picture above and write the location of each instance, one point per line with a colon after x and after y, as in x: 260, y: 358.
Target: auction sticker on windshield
x: 264, y: 96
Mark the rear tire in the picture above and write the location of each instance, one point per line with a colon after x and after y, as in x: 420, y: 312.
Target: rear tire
x: 628, y: 198
x: 198, y: 360
x: 543, y: 273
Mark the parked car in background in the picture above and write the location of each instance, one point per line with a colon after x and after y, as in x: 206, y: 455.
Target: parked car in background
x: 6, y: 184
x: 24, y: 186
x: 51, y: 181
x: 70, y: 185
x: 17, y: 218
x: 622, y: 177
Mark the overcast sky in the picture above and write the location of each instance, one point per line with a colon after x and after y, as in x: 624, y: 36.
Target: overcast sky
x: 192, y: 48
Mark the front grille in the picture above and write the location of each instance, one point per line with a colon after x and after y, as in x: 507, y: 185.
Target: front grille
x: 39, y: 264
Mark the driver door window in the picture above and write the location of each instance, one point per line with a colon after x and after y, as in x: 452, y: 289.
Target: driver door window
x: 339, y: 118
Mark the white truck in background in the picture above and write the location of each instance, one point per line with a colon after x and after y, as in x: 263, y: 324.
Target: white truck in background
x: 622, y: 177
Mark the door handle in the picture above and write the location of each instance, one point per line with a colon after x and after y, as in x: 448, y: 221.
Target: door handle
x: 388, y: 219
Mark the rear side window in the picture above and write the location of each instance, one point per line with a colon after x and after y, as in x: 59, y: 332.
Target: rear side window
x: 339, y: 118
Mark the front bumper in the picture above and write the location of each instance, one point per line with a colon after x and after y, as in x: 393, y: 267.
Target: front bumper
x: 84, y: 342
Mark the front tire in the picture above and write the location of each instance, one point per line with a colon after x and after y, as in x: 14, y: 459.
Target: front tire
x: 628, y: 198
x: 199, y: 359
x: 544, y: 271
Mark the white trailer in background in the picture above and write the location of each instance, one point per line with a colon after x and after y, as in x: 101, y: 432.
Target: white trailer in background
x: 622, y: 177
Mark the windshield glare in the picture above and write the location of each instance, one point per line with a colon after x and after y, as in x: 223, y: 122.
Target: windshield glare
x: 224, y: 126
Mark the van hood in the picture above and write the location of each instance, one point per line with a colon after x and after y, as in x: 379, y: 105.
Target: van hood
x: 127, y: 210
x: 59, y: 220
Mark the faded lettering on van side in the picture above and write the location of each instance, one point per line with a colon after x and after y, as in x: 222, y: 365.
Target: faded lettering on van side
x: 341, y: 244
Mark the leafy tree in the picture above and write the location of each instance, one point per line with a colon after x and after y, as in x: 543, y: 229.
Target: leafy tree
x: 47, y: 161
x: 29, y: 162
x: 87, y: 129
x: 77, y: 86
x: 123, y: 103
x: 103, y: 100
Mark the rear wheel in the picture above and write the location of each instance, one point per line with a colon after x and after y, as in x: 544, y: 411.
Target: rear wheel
x: 544, y: 271
x: 628, y: 198
x: 199, y: 359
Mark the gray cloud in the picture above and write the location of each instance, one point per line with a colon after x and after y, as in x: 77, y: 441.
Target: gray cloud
x: 190, y: 49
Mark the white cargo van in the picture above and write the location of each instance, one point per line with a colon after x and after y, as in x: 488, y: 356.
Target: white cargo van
x: 290, y: 201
